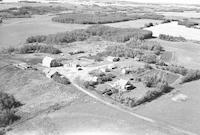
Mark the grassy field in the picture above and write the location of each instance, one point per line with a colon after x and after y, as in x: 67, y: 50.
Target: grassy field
x: 177, y: 113
x: 185, y: 53
x: 14, y: 32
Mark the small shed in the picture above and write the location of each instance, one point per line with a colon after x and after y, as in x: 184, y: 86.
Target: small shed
x: 51, y: 62
x: 122, y: 85
x: 46, y: 62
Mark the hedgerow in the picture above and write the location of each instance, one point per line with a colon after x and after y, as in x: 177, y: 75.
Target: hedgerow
x: 171, y: 38
x: 191, y: 76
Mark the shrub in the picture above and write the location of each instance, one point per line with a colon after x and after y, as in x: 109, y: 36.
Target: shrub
x: 150, y: 95
x: 166, y: 21
x: 60, y: 79
x: 33, y: 39
x: 191, y: 76
x: 144, y: 45
x: 7, y: 109
x: 148, y: 25
x: 89, y: 85
x: 149, y: 58
x: 56, y: 63
x: 38, y: 48
x: 147, y: 66
x: 153, y: 80
x: 176, y: 69
x: 171, y: 38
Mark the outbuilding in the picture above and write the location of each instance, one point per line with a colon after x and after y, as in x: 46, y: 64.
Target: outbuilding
x: 50, y: 62
x: 46, y: 62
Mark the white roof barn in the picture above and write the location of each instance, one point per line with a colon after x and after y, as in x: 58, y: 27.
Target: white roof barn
x: 47, y: 61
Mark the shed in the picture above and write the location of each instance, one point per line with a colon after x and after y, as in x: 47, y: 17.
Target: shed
x: 47, y: 61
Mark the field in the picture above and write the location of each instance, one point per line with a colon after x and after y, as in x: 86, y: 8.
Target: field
x: 176, y: 113
x: 14, y: 32
x: 110, y: 74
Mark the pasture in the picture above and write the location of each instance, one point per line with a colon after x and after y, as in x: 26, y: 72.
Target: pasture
x: 14, y: 32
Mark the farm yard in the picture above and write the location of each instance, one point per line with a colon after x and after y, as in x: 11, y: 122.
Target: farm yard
x: 67, y: 67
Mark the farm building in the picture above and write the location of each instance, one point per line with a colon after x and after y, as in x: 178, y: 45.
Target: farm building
x: 50, y: 62
x: 46, y: 62
x: 122, y: 85
x: 112, y: 59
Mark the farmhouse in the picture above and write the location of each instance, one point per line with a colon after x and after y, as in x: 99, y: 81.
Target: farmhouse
x: 122, y: 85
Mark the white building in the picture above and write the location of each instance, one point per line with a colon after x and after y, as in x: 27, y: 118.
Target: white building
x: 46, y: 62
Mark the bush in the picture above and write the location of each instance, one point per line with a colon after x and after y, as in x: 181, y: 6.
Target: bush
x: 7, y: 109
x: 176, y: 69
x: 148, y: 25
x: 149, y: 58
x: 56, y: 63
x: 191, y: 76
x: 38, y: 39
x: 89, y: 85
x: 39, y: 49
x: 144, y: 45
x: 60, y: 79
x: 171, y: 38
